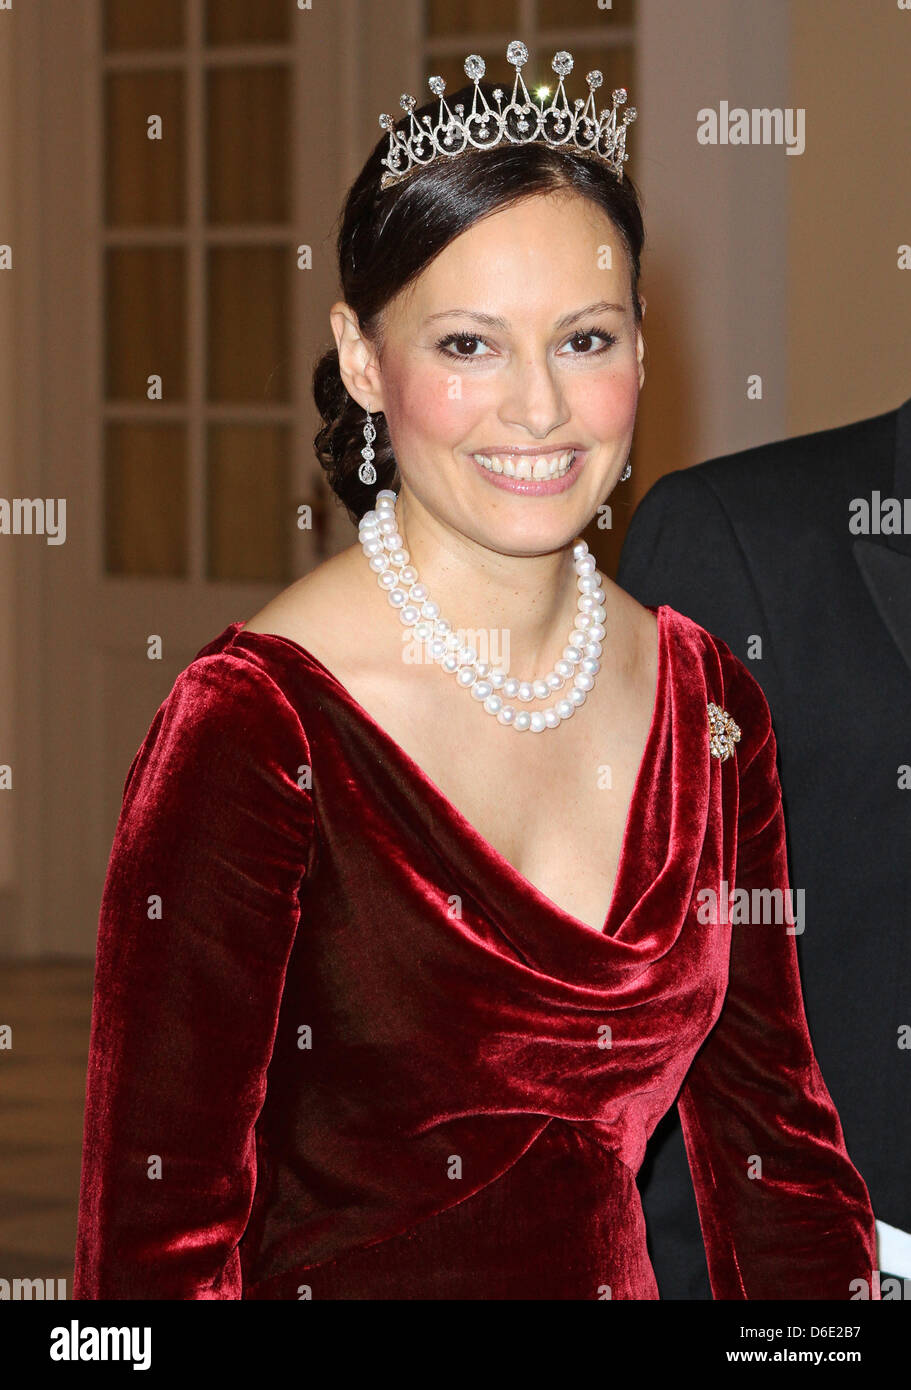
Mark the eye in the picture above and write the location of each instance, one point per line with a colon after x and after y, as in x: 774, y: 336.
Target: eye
x: 585, y: 336
x: 460, y: 342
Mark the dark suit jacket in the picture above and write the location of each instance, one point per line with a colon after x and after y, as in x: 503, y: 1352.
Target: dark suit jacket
x: 758, y: 545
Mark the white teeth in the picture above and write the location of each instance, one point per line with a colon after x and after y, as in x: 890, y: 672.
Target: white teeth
x: 528, y: 466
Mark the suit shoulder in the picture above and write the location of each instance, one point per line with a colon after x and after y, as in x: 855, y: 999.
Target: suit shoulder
x: 803, y: 458
x: 748, y: 487
x: 676, y: 487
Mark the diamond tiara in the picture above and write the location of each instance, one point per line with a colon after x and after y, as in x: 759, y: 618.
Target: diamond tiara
x: 520, y: 121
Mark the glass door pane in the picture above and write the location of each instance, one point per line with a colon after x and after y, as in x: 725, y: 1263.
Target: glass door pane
x: 127, y: 26
x: 249, y: 510
x: 248, y: 120
x: 145, y: 500
x: 145, y: 318
x: 249, y: 324
x: 144, y: 178
x: 248, y: 21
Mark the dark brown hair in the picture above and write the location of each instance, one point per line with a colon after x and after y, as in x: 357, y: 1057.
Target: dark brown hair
x: 387, y: 237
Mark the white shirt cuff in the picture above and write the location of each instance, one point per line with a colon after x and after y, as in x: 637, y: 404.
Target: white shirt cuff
x: 894, y: 1250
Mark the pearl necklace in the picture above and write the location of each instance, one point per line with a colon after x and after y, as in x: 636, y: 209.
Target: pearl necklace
x: 382, y: 544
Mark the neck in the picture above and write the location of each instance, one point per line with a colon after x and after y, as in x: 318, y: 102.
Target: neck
x: 521, y: 606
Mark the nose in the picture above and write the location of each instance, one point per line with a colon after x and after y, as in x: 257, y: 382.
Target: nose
x: 533, y: 399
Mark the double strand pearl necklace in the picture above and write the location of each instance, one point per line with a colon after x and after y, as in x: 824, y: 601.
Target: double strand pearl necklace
x: 382, y: 544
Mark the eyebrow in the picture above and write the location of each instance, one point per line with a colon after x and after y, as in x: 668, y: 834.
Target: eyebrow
x: 601, y: 306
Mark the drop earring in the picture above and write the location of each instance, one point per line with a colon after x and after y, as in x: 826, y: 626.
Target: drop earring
x: 626, y: 472
x: 367, y: 472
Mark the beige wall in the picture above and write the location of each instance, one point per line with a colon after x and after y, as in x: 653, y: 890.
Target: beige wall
x: 714, y: 273
x: 849, y: 316
x: 759, y: 261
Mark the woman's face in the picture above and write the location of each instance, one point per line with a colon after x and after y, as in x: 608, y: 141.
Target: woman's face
x: 517, y: 345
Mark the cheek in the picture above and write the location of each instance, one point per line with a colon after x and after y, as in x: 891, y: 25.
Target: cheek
x: 430, y: 402
x: 607, y: 404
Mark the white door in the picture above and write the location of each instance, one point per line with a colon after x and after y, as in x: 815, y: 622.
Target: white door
x: 186, y: 155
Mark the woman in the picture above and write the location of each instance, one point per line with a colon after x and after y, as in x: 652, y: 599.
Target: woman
x: 388, y: 1000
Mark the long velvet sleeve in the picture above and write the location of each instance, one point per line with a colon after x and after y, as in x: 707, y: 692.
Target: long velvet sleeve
x: 802, y: 1228
x: 198, y: 917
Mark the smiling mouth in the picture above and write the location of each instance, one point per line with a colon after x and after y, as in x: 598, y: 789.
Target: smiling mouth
x: 530, y: 466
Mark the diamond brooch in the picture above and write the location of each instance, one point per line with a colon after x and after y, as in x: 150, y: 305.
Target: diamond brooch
x: 723, y: 732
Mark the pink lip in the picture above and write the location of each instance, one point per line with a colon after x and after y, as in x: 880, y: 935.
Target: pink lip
x: 532, y: 487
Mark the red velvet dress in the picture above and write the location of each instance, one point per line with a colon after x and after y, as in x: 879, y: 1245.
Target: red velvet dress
x: 342, y: 1049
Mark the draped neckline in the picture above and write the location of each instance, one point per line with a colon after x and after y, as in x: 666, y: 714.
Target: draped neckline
x: 498, y: 864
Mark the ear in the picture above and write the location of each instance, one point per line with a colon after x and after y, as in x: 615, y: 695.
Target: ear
x: 357, y: 361
x: 640, y: 352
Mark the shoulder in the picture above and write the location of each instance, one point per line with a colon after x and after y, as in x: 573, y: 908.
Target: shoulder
x: 729, y: 685
x: 231, y: 689
x: 736, y: 484
x: 226, y: 721
x: 782, y: 467
x: 223, y: 778
x: 739, y: 723
x: 813, y: 453
x: 306, y: 615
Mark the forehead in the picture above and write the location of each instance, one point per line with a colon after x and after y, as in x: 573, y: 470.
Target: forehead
x: 527, y: 257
